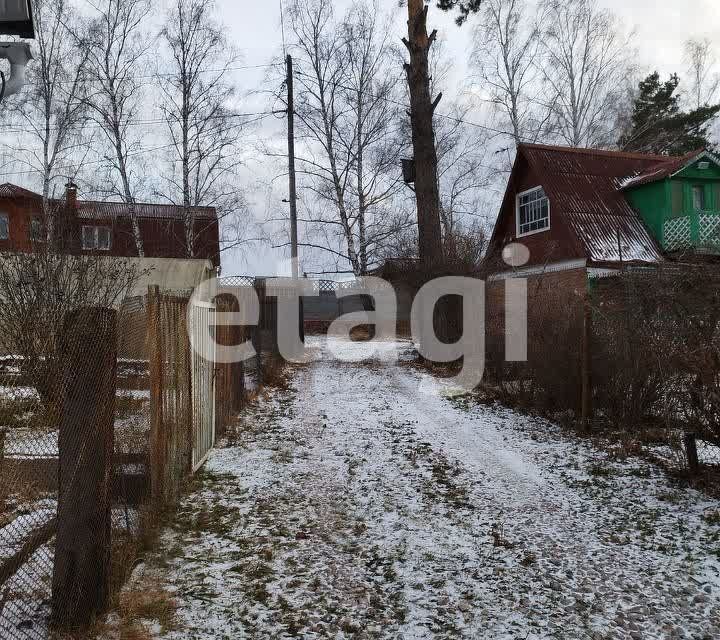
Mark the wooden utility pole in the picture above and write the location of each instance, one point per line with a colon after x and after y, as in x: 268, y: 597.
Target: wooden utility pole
x: 422, y: 107
x: 291, y: 167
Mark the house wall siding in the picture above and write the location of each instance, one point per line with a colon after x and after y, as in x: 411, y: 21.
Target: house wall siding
x: 162, y: 238
x: 553, y: 245
x: 652, y: 202
x: 19, y: 213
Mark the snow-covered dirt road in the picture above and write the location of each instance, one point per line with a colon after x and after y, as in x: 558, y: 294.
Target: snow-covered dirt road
x: 363, y: 503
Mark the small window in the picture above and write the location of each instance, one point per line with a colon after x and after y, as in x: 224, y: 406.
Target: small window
x: 37, y: 233
x: 103, y: 238
x: 533, y: 212
x: 96, y: 238
x: 698, y: 192
x: 4, y: 226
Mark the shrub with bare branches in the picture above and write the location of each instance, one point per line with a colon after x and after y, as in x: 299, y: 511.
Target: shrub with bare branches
x: 37, y: 291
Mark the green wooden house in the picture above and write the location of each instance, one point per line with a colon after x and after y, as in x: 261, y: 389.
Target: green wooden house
x: 679, y: 202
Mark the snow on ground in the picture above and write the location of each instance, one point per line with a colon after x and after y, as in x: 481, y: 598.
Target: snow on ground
x: 361, y: 502
x: 18, y: 393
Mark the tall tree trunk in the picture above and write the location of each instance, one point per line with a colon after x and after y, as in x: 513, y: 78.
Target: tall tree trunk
x: 422, y: 108
x: 362, y: 200
x: 188, y: 218
x: 337, y: 181
x: 122, y: 167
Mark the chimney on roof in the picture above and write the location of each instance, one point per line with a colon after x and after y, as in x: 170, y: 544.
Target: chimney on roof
x: 71, y: 195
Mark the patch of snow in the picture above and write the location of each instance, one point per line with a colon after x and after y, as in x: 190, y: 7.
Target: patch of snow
x: 364, y: 501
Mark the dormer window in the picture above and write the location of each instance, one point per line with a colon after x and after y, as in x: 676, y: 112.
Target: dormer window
x: 533, y: 212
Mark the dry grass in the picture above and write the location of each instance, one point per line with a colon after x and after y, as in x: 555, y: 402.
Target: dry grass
x: 276, y: 374
x: 147, y: 601
x: 362, y: 333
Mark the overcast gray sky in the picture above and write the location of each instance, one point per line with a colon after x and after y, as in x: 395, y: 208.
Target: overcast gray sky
x: 661, y: 28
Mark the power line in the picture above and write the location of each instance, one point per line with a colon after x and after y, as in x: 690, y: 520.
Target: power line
x: 154, y: 76
x: 259, y: 115
x: 440, y: 115
x: 84, y: 164
x: 96, y: 162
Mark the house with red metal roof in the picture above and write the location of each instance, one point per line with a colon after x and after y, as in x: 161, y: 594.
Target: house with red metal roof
x: 597, y: 210
x: 105, y: 228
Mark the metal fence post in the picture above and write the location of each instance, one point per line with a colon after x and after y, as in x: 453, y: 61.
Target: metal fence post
x: 81, y: 576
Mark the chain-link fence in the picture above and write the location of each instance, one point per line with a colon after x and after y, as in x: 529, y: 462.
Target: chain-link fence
x: 97, y: 435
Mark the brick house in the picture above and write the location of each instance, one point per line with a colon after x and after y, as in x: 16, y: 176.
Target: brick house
x: 105, y: 228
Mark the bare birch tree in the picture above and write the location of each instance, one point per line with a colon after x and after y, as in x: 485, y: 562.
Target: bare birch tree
x: 585, y: 62
x: 52, y: 110
x: 196, y: 104
x: 506, y: 55
x: 115, y: 45
x: 701, y: 67
x: 463, y: 172
x: 350, y: 121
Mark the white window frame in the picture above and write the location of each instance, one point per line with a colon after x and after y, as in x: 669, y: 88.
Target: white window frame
x: 518, y: 233
x: 5, y: 217
x: 701, y: 187
x: 95, y: 238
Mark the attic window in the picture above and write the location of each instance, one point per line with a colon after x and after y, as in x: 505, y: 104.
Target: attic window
x: 703, y: 166
x: 533, y: 212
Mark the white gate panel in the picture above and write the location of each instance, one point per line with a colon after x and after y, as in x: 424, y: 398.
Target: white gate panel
x: 203, y: 382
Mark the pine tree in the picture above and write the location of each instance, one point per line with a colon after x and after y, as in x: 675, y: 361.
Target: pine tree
x: 658, y: 125
x: 465, y: 7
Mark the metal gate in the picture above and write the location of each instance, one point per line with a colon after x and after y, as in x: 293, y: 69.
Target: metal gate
x: 203, y: 382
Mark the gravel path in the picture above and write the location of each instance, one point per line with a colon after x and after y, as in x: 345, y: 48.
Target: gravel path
x: 363, y: 503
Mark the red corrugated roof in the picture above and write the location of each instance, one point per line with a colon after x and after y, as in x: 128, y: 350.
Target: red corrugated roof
x: 89, y: 209
x: 9, y: 190
x: 662, y: 170
x: 583, y: 186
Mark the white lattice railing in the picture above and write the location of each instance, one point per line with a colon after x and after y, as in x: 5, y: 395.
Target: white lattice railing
x: 709, y: 230
x: 676, y: 233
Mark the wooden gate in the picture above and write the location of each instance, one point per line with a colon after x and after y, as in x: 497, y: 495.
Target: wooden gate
x: 203, y: 383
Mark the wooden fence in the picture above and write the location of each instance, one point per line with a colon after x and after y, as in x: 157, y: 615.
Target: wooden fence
x: 140, y: 412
